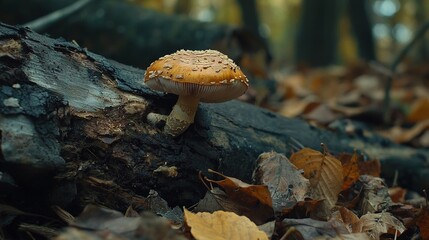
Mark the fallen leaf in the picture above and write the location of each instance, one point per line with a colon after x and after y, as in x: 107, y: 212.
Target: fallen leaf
x: 268, y: 228
x: 222, y: 225
x: 308, y: 228
x: 104, y: 223
x: 375, y: 224
x: 423, y: 223
x: 419, y: 110
x: 403, y: 135
x: 371, y: 168
x: 407, y: 214
x: 349, y: 218
x: 285, y: 182
x: 375, y: 195
x: 397, y: 194
x: 325, y: 174
x: 216, y: 199
x: 253, y: 201
x: 302, y: 209
x: 296, y: 107
x: 322, y: 114
x: 350, y: 165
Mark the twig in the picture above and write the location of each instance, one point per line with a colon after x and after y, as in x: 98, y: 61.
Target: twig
x: 53, y: 17
x: 419, y: 34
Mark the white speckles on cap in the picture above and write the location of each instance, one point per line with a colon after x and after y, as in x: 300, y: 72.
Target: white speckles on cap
x: 168, y: 66
x: 208, y: 74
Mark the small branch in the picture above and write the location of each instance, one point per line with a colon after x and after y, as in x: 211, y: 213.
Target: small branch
x: 42, y: 23
x: 404, y: 51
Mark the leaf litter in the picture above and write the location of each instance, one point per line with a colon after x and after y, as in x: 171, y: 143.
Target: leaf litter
x: 301, y: 197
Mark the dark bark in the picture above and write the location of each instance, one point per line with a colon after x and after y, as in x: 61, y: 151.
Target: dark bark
x: 317, y: 36
x: 251, y: 21
x: 73, y: 132
x: 362, y: 28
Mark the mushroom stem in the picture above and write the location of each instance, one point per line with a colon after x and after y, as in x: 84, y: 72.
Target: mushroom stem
x: 182, y: 115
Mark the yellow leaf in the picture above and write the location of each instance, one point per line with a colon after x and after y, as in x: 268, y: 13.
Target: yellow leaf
x: 222, y: 225
x: 324, y: 172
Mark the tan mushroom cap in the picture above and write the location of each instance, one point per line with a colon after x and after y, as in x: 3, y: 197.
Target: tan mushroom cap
x: 209, y: 75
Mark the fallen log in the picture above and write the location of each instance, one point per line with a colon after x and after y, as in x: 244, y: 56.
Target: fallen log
x: 73, y: 131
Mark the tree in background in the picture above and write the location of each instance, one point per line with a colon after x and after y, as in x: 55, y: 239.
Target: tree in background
x: 317, y: 36
x: 250, y: 20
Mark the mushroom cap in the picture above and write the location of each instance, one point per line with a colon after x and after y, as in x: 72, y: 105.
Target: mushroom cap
x: 208, y: 74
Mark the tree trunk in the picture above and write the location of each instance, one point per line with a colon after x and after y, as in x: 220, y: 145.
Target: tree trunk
x: 317, y: 36
x: 73, y: 131
x: 362, y: 28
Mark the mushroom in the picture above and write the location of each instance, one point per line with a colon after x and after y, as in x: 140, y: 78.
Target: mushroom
x: 206, y: 76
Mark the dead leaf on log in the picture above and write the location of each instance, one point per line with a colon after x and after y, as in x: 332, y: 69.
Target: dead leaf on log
x: 325, y: 174
x: 351, y: 172
x: 253, y: 201
x: 216, y: 200
x: 222, y: 225
x: 285, y: 182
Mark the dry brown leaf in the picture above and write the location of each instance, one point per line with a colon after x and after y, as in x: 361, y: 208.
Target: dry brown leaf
x: 407, y: 214
x: 376, y: 224
x: 350, y: 169
x: 371, y: 168
x: 293, y: 86
x: 322, y: 114
x: 216, y: 199
x: 397, y: 194
x: 296, y: 107
x: 423, y: 223
x: 419, y: 110
x: 222, y: 225
x: 325, y: 174
x: 401, y: 135
x: 302, y: 209
x: 285, y: 183
x: 348, y: 217
x: 255, y: 194
x: 253, y: 201
x: 308, y: 228
x: 375, y: 195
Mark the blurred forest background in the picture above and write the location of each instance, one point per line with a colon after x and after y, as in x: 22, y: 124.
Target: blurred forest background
x: 321, y: 60
x: 335, y: 25
x: 317, y: 33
